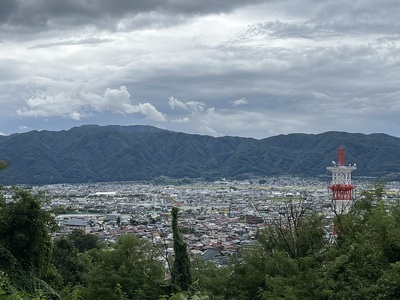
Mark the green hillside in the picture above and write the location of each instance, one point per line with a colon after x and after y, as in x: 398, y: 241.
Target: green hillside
x: 121, y: 153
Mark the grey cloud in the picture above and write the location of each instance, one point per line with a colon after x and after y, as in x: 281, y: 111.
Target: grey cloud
x: 69, y: 42
x: 332, y: 18
x: 330, y: 10
x: 301, y: 69
x: 8, y: 8
x: 308, y: 30
x: 291, y: 80
x: 45, y: 13
x: 11, y: 70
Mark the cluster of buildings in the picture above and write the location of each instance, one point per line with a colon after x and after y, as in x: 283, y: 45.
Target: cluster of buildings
x: 216, y: 219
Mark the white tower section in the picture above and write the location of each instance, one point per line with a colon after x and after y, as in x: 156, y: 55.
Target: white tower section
x: 341, y: 187
x: 341, y: 175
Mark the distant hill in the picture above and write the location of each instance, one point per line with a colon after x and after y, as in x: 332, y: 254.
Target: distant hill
x: 93, y: 153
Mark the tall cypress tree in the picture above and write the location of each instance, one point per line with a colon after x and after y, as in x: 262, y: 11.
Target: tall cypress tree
x: 180, y: 273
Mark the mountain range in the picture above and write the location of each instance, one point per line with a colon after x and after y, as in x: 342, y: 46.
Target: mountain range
x: 93, y: 153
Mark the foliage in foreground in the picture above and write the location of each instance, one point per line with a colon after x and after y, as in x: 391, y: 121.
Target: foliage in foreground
x: 25, y: 244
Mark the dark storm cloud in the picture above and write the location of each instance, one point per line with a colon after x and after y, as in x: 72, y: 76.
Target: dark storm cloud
x: 8, y: 8
x: 44, y: 13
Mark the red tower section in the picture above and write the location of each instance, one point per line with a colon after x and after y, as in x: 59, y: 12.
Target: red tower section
x: 341, y: 156
x: 341, y: 188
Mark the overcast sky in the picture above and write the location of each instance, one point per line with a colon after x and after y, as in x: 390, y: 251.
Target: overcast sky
x: 254, y: 68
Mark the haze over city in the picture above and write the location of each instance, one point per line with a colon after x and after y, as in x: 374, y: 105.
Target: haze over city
x: 242, y: 68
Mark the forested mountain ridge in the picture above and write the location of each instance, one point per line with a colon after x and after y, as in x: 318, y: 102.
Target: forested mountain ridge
x: 120, y: 153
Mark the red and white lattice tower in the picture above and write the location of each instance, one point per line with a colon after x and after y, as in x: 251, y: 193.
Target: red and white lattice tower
x: 341, y: 188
